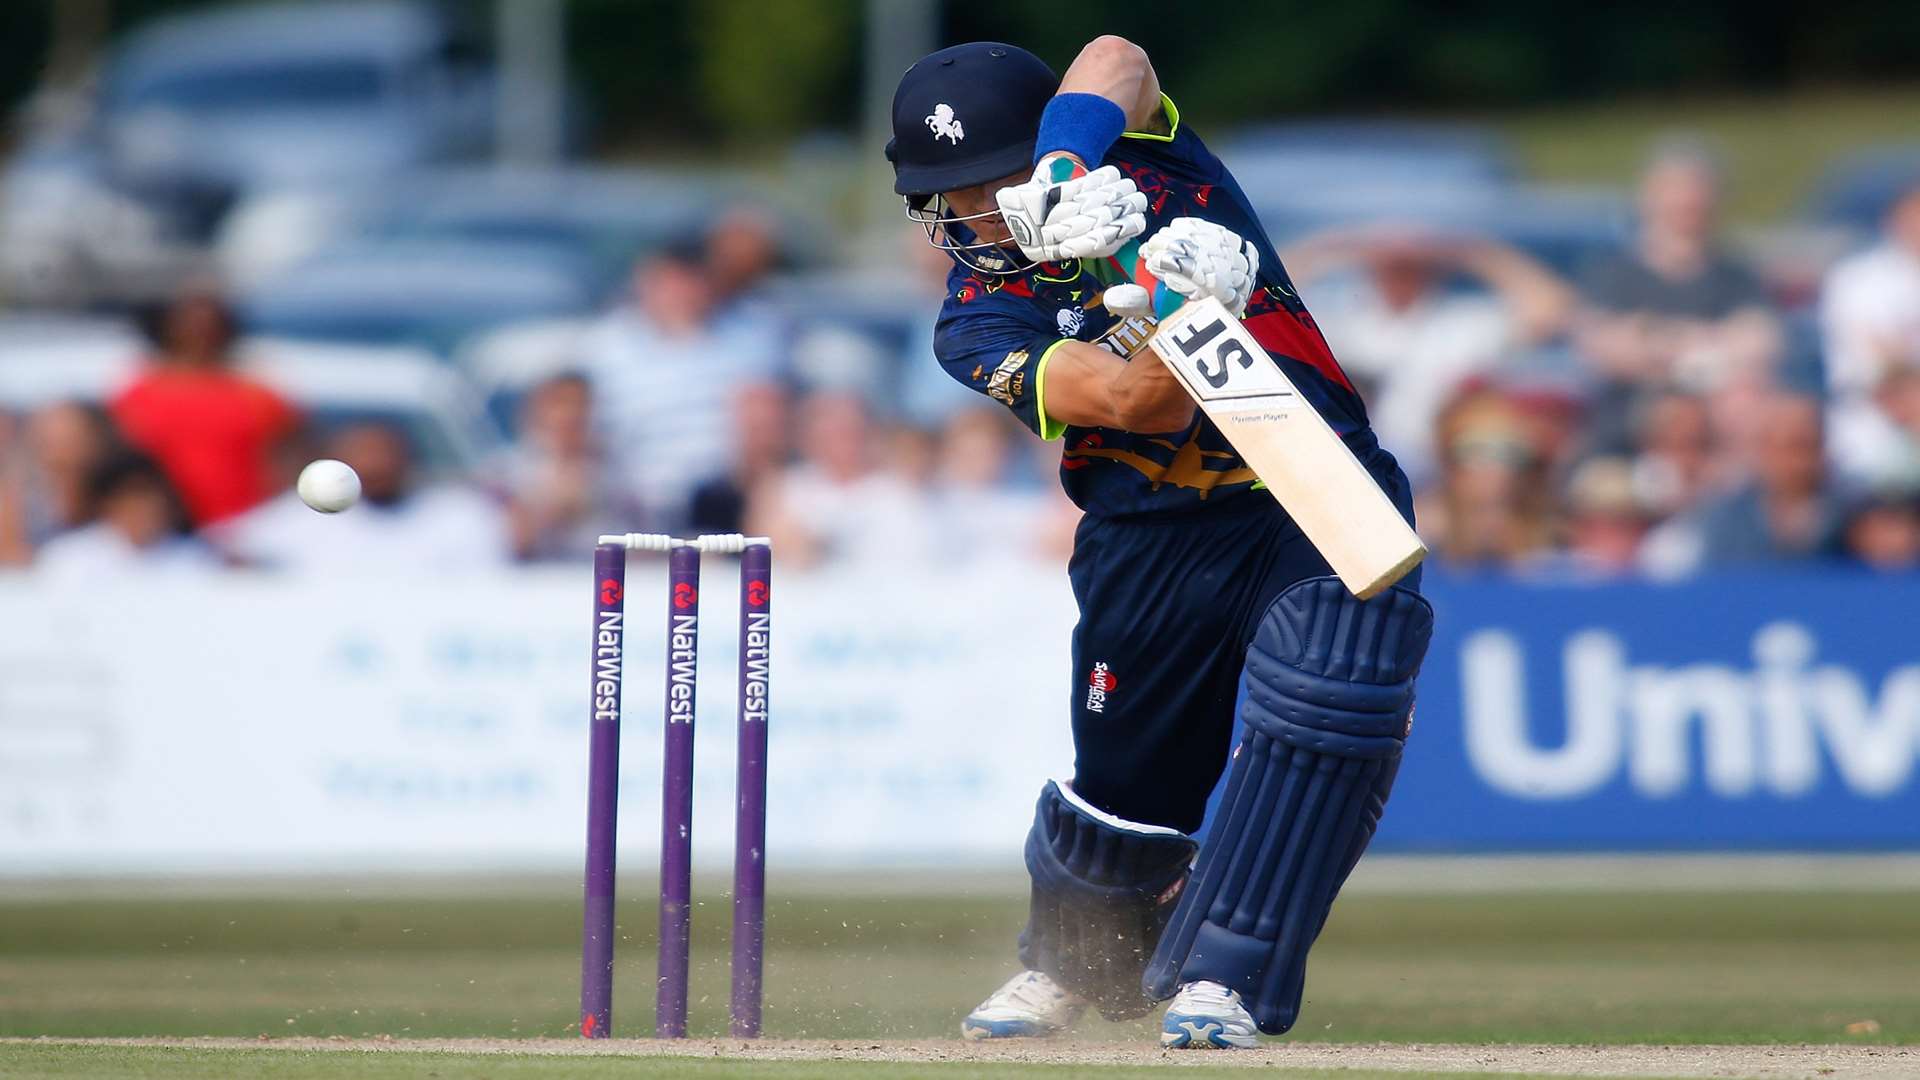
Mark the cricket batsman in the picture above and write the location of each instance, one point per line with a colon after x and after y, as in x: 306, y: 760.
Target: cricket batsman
x: 1204, y: 611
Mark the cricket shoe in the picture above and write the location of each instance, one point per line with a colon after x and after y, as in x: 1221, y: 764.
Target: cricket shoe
x: 1029, y: 1006
x: 1206, y: 1014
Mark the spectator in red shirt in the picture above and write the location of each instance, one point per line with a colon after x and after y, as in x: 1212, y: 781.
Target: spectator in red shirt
x: 213, y: 430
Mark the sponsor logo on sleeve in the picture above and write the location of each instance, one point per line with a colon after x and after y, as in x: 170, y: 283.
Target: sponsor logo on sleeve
x: 1009, y: 381
x: 1125, y: 337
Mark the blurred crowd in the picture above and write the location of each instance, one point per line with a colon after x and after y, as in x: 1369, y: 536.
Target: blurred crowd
x: 690, y: 406
x: 1659, y: 411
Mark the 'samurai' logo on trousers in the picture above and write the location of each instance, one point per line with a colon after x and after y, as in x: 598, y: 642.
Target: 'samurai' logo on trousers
x: 1099, y: 684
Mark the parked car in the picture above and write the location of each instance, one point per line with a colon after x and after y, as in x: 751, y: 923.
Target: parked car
x: 189, y: 111
x: 1303, y: 178
x: 427, y: 295
x: 1313, y: 156
x: 1856, y: 192
x: 605, y: 218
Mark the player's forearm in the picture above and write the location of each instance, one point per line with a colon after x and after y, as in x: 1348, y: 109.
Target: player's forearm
x: 1118, y: 70
x: 1148, y: 399
x: 1086, y: 386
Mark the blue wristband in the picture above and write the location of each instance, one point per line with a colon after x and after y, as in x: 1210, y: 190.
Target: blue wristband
x: 1084, y: 125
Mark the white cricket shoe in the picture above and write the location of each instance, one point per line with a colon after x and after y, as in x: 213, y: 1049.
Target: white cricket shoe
x: 1206, y: 1014
x: 1029, y: 1006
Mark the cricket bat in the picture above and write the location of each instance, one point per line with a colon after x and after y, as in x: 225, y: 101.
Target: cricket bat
x: 1284, y: 439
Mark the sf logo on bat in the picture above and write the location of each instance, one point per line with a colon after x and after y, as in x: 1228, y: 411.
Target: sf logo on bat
x: 1219, y: 360
x: 1193, y: 343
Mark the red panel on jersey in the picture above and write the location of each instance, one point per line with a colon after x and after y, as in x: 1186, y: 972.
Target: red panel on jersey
x: 1282, y: 333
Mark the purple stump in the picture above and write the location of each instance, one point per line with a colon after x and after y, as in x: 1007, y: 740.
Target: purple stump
x: 676, y: 792
x: 750, y: 811
x: 603, y: 789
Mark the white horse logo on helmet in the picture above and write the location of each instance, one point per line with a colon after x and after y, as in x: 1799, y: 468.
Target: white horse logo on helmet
x: 943, y: 122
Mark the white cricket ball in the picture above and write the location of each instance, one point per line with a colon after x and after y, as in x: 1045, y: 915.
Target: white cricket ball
x: 329, y: 486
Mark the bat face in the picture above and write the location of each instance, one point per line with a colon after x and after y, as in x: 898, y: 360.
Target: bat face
x: 1306, y: 466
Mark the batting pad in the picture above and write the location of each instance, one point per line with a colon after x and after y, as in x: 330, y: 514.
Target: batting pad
x: 1328, y: 697
x: 1103, y: 887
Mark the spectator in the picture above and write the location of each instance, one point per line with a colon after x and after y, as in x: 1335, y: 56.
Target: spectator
x: 15, y: 548
x: 742, y: 250
x: 976, y: 513
x: 212, y: 429
x: 1785, y: 511
x: 559, y: 487
x: 913, y: 454
x: 1677, y: 306
x: 1605, y: 518
x: 43, y: 488
x: 401, y: 525
x: 1870, y: 320
x: 832, y: 357
x: 761, y: 417
x: 1870, y: 304
x: 1883, y: 530
x: 1675, y: 466
x: 139, y: 523
x: 666, y: 369
x: 837, y: 505
x: 1410, y: 339
x: 1493, y: 506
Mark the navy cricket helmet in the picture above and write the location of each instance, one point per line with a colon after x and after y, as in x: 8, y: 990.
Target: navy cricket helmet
x: 963, y: 116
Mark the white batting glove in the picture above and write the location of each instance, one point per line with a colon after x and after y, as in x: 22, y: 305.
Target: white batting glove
x: 1197, y: 258
x: 1088, y: 217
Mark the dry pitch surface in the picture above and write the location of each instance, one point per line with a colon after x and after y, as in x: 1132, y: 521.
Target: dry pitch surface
x: 337, y: 979
x: 724, y: 1057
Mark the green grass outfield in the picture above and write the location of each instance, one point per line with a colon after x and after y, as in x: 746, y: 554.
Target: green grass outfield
x: 166, y: 1063
x: 326, y: 961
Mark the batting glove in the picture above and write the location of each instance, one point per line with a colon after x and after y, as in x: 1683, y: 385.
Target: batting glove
x: 1088, y: 217
x: 1197, y: 258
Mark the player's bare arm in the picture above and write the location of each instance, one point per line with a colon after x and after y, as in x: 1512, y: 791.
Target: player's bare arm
x: 1086, y: 386
x: 1118, y: 70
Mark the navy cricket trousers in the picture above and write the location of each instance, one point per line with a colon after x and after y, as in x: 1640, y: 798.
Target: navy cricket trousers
x: 1167, y: 607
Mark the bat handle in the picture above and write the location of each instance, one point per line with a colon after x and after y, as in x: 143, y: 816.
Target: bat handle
x: 1061, y: 167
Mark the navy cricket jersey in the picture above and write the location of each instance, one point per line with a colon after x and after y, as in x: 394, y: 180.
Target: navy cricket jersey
x: 996, y: 334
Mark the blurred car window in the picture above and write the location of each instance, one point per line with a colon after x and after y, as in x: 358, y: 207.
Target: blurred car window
x: 429, y: 295
x: 328, y: 82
